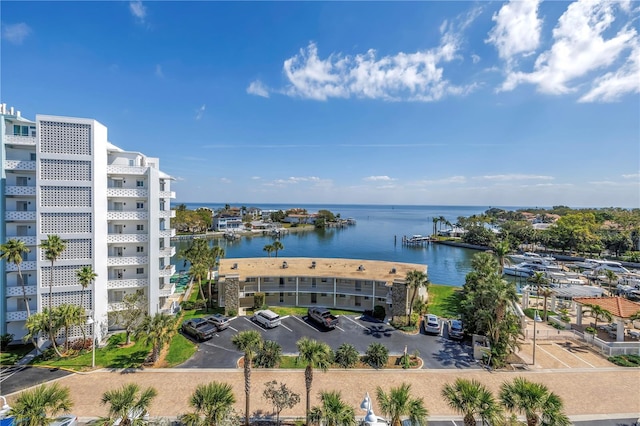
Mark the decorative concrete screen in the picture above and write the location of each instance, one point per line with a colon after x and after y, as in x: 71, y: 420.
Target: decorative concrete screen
x: 65, y: 169
x: 68, y: 196
x: 65, y: 138
x: 62, y: 276
x: 76, y: 249
x: 65, y: 223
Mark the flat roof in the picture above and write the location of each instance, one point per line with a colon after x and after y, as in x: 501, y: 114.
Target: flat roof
x: 376, y: 270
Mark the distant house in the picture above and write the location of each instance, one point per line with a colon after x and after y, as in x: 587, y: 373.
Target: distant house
x: 254, y: 212
x: 228, y: 220
x: 301, y: 218
x: 456, y: 231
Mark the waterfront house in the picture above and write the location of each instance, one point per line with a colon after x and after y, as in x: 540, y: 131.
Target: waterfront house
x: 228, y: 221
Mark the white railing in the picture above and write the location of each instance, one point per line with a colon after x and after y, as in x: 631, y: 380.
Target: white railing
x: 127, y: 215
x: 30, y: 290
x: 20, y: 140
x: 130, y: 283
x: 127, y: 260
x: 127, y: 192
x: 167, y: 214
x: 29, y: 240
x: 168, y: 251
x: 20, y: 215
x: 19, y: 190
x: 605, y: 348
x: 126, y: 170
x: 16, y: 316
x: 19, y: 165
x: 127, y: 238
x: 167, y: 233
x: 168, y: 290
x: 167, y: 271
x: 167, y: 194
x: 29, y: 265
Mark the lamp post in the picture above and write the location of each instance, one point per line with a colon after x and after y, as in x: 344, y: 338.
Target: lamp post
x: 4, y: 411
x: 370, y: 418
x: 90, y: 321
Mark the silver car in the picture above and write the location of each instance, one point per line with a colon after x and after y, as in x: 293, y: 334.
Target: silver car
x: 432, y: 324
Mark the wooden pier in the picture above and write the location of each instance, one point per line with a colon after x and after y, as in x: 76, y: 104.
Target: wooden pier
x: 416, y: 241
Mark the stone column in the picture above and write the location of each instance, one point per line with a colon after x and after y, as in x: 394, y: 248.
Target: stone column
x: 619, y: 330
x: 399, y: 299
x: 578, y: 314
x: 231, y: 295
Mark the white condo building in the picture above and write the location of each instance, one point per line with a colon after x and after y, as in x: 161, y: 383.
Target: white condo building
x: 61, y: 176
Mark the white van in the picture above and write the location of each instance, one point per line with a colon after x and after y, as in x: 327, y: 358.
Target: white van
x: 267, y: 318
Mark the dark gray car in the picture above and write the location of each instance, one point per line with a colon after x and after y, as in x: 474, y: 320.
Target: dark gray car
x: 219, y: 321
x: 199, y: 328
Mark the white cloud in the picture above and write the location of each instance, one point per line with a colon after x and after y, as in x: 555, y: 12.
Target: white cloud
x: 258, y: 88
x: 15, y: 33
x: 579, y: 50
x: 378, y: 178
x: 613, y: 85
x: 632, y: 176
x: 225, y: 180
x: 200, y: 112
x: 446, y: 180
x: 138, y: 10
x: 159, y: 72
x: 509, y: 177
x: 517, y: 29
x: 475, y: 58
x: 255, y: 178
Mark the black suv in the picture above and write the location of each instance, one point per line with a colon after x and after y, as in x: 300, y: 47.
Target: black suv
x: 199, y: 328
x: 219, y: 321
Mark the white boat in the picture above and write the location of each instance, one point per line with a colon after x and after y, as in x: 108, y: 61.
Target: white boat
x: 527, y: 269
x: 528, y: 256
x: 601, y: 263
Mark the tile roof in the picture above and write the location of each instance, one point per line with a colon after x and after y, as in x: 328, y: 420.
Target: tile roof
x: 618, y: 306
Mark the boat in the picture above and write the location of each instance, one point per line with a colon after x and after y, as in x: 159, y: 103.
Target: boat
x: 599, y: 263
x: 527, y: 269
x: 529, y: 256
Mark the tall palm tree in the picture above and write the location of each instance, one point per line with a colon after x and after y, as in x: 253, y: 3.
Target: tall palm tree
x: 53, y: 247
x: 68, y: 315
x: 248, y: 342
x: 315, y: 355
x: 611, y: 277
x: 598, y: 313
x: 535, y: 401
x: 41, y: 405
x: 399, y: 403
x: 333, y: 411
x: 128, y: 403
x: 12, y: 251
x: 471, y: 398
x: 435, y: 221
x: 156, y: 331
x: 85, y: 275
x: 277, y: 245
x: 546, y: 293
x: 502, y: 249
x: 415, y: 280
x: 269, y: 249
x: 441, y: 220
x: 538, y: 279
x: 212, y: 402
x: 199, y: 271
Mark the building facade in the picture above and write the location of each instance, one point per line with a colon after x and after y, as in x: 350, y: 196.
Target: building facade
x: 334, y: 283
x: 61, y: 176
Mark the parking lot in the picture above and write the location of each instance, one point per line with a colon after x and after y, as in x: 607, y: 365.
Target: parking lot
x: 437, y: 351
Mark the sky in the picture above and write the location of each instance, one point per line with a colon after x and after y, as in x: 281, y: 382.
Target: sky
x: 527, y: 103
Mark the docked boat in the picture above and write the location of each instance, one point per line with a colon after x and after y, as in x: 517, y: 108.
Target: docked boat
x: 602, y: 264
x: 527, y: 269
x: 528, y: 256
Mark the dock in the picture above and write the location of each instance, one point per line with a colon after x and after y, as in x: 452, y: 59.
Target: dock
x: 416, y: 241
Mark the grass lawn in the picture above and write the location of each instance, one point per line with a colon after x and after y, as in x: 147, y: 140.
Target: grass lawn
x: 444, y: 300
x: 13, y: 353
x: 180, y: 350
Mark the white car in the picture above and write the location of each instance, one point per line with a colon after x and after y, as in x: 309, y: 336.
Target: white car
x: 432, y: 324
x: 267, y: 318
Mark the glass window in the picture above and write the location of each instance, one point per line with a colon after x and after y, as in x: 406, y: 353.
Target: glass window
x: 140, y: 227
x: 139, y: 183
x: 139, y: 205
x: 25, y: 131
x: 139, y: 271
x: 139, y: 249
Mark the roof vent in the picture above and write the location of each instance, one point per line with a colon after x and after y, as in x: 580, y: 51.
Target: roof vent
x: 284, y: 265
x: 234, y: 266
x: 393, y: 270
x: 313, y: 264
x: 360, y: 268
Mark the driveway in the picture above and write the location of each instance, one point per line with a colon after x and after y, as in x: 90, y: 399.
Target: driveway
x: 436, y: 351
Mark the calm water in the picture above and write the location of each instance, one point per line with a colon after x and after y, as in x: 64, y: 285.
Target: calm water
x: 376, y: 236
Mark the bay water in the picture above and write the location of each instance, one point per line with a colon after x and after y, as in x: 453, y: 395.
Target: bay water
x: 377, y: 235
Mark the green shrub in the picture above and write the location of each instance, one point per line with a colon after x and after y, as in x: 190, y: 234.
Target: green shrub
x: 5, y: 339
x: 259, y: 300
x: 377, y: 355
x: 379, y: 312
x: 626, y: 360
x: 590, y: 330
x: 232, y: 313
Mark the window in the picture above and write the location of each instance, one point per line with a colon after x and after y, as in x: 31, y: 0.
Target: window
x: 313, y: 283
x: 281, y: 282
x: 140, y: 249
x: 140, y: 227
x: 358, y: 286
x: 21, y: 206
x: 281, y: 297
x: 21, y: 130
x: 140, y: 183
x: 21, y: 181
x: 139, y: 271
x: 139, y: 205
x: 314, y: 297
x: 132, y: 163
x: 323, y: 294
x: 32, y: 156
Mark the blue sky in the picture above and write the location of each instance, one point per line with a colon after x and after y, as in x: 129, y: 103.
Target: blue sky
x: 461, y: 103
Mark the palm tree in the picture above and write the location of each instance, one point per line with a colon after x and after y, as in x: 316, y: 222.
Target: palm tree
x: 546, y: 293
x: 40, y: 406
x: 199, y: 271
x: 68, y: 315
x: 611, y: 277
x: 441, y: 220
x: 535, y: 401
x: 277, y: 245
x: 12, y: 251
x: 36, y: 325
x: 248, y: 342
x: 346, y: 356
x: 399, y: 403
x: 156, y: 331
x: 213, y: 401
x: 471, y: 398
x: 415, y: 279
x: 315, y: 355
x: 129, y: 404
x: 598, y: 313
x: 333, y: 411
x: 53, y: 247
x: 502, y: 249
x: 85, y: 275
x: 269, y: 354
x: 268, y: 248
x: 435, y: 221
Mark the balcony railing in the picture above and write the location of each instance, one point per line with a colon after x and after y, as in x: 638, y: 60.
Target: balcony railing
x: 168, y: 251
x: 127, y: 260
x: 167, y: 194
x: 167, y: 290
x: 20, y: 215
x: 19, y: 165
x: 19, y: 190
x: 24, y: 266
x: 127, y: 192
x: 167, y: 271
x: 30, y: 290
x: 116, y: 169
x: 167, y: 233
x: 16, y: 316
x: 29, y: 240
x: 20, y: 140
x: 130, y: 283
x: 127, y: 238
x: 167, y: 214
x: 127, y: 215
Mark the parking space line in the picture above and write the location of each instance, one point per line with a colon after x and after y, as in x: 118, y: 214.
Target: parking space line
x: 233, y: 329
x: 339, y: 328
x: 254, y: 324
x: 571, y: 353
x: 354, y: 321
x: 553, y: 356
x: 305, y: 323
x: 286, y: 327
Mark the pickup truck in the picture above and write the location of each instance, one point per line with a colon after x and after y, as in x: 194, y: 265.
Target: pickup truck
x: 199, y: 328
x: 323, y: 317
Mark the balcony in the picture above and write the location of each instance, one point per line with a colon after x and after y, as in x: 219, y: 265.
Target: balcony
x: 130, y: 283
x: 30, y: 290
x: 19, y: 165
x: 127, y: 260
x: 127, y: 215
x: 167, y: 214
x: 167, y: 290
x: 20, y: 190
x: 167, y: 233
x: 116, y: 306
x: 127, y: 238
x: 127, y: 192
x: 20, y: 140
x: 117, y: 169
x: 24, y: 266
x: 16, y: 316
x: 168, y: 251
x: 20, y: 215
x: 29, y: 240
x: 167, y: 271
x: 167, y: 194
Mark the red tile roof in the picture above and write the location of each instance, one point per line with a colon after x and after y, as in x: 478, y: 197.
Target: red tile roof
x: 618, y: 306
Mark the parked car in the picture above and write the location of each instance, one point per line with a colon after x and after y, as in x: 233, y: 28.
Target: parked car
x: 323, y: 317
x: 199, y: 328
x: 431, y: 324
x: 455, y: 329
x: 267, y: 318
x: 219, y: 321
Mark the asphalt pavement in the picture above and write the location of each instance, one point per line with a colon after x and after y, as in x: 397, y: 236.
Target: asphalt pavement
x: 13, y: 379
